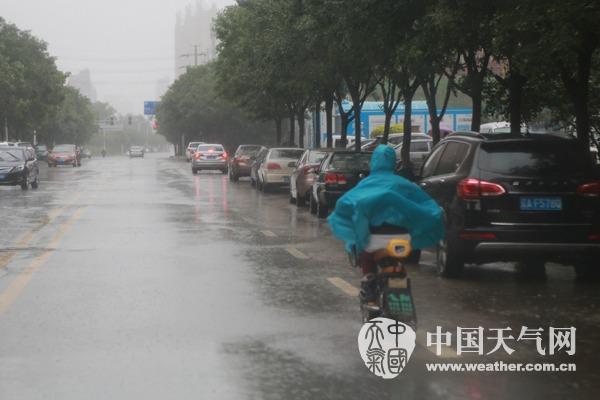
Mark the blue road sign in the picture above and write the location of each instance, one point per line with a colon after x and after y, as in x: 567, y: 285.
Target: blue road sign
x: 150, y: 107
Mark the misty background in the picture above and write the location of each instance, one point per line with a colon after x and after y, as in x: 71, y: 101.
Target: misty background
x: 127, y: 45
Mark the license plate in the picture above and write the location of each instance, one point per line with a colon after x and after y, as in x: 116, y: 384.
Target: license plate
x: 286, y: 179
x: 541, y: 204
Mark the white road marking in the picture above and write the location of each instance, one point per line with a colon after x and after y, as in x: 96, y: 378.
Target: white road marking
x: 268, y: 234
x: 344, y: 286
x: 297, y: 253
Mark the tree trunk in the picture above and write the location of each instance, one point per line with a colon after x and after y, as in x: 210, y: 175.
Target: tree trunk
x: 301, y: 128
x: 292, y: 138
x: 407, y: 131
x: 386, y: 127
x: 317, y: 121
x: 329, y: 117
x: 477, y: 109
x: 435, y: 129
x: 278, y: 131
x: 515, y: 101
x: 344, y: 132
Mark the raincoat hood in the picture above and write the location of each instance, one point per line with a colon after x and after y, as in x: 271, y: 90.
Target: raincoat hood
x: 383, y: 159
x: 386, y: 198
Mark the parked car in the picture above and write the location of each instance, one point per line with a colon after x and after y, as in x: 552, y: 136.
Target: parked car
x: 254, y: 167
x: 363, y: 144
x: 339, y: 172
x: 529, y: 199
x: 18, y: 167
x: 277, y: 167
x: 64, y: 154
x: 241, y: 162
x: 304, y: 174
x: 41, y: 152
x: 420, y: 147
x: 191, y: 150
x: 136, y: 151
x: 209, y: 157
x: 394, y: 140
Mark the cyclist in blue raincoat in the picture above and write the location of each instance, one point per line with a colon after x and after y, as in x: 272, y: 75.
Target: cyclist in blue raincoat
x: 385, y: 198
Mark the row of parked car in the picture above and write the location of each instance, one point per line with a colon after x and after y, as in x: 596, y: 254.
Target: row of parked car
x: 19, y: 161
x: 532, y: 199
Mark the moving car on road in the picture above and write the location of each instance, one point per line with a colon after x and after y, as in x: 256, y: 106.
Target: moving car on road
x: 191, y: 149
x: 304, y: 174
x: 241, y: 162
x: 339, y: 172
x: 18, y: 166
x: 277, y: 167
x: 209, y: 157
x: 136, y: 151
x: 64, y: 154
x: 529, y: 199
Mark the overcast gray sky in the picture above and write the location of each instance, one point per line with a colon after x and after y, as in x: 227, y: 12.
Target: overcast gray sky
x: 127, y: 44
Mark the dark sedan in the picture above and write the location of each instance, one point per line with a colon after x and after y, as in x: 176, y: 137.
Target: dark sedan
x: 304, y: 174
x: 241, y: 162
x: 339, y: 172
x: 18, y: 167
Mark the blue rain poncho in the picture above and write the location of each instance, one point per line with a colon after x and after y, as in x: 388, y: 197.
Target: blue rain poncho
x: 386, y: 198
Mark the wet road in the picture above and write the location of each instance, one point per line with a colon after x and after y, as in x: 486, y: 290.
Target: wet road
x: 133, y: 279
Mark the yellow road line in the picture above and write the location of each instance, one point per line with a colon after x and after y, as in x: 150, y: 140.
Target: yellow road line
x: 19, y: 283
x: 344, y: 286
x: 297, y: 253
x: 28, y: 236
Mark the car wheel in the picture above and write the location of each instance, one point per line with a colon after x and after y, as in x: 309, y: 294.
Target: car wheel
x: 313, y: 205
x: 224, y: 171
x: 75, y: 164
x: 322, y: 211
x: 194, y: 171
x: 449, y: 259
x: 587, y: 271
x: 35, y: 184
x: 252, y: 182
x: 25, y: 181
x: 264, y: 187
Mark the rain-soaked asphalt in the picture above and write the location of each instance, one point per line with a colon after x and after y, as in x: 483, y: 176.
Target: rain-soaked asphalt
x: 133, y: 279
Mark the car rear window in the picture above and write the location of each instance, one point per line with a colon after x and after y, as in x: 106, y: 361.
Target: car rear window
x: 247, y: 150
x: 315, y: 157
x: 12, y: 155
x: 209, y: 148
x: 350, y: 162
x: 291, y: 154
x: 193, y: 145
x: 533, y: 159
x: 64, y: 148
x: 420, y: 146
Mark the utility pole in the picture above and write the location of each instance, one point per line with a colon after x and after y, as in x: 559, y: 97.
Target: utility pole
x: 196, y: 55
x: 6, y: 128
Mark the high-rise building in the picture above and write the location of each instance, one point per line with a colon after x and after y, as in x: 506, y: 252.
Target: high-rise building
x: 83, y: 82
x: 195, y: 41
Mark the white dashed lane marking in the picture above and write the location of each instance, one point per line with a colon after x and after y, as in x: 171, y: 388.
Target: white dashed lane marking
x: 268, y: 234
x: 297, y: 253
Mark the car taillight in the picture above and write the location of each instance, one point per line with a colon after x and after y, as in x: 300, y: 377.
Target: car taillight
x: 273, y: 165
x: 334, y: 178
x: 477, y: 236
x: 473, y: 189
x: 594, y: 237
x: 197, y: 156
x: 224, y: 155
x: 591, y: 189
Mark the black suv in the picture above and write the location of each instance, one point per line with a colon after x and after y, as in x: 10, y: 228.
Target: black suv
x: 529, y: 199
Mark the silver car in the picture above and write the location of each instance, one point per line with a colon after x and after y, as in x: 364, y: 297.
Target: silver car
x: 277, y: 167
x: 420, y: 147
x: 209, y: 157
